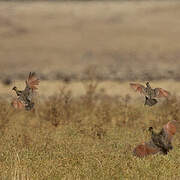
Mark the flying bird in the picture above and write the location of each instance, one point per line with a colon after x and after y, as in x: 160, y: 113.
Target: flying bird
x: 149, y: 93
x: 24, y: 97
x: 159, y: 143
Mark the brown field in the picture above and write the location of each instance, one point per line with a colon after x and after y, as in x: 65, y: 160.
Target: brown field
x: 78, y: 130
x: 87, y: 137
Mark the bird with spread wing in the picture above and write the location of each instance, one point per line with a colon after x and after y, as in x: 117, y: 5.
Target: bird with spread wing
x: 149, y: 93
x: 160, y: 142
x: 24, y: 97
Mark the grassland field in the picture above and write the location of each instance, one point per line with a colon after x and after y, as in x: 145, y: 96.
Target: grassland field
x: 87, y: 120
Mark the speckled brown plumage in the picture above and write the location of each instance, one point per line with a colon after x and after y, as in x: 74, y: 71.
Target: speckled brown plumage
x: 149, y: 93
x: 159, y: 143
x: 24, y: 97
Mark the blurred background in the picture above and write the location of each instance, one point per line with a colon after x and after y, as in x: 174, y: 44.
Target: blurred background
x: 62, y: 41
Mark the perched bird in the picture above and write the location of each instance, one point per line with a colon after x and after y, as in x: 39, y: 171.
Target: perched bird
x: 149, y: 93
x: 159, y: 143
x: 24, y: 97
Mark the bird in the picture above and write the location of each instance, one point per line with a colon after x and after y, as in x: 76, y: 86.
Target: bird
x: 24, y: 97
x: 149, y: 93
x: 159, y: 143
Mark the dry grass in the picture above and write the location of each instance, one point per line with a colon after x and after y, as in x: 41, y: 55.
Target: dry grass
x: 111, y: 88
x: 84, y: 129
x: 87, y: 137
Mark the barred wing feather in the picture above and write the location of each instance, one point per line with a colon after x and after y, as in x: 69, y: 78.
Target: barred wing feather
x: 17, y: 104
x: 138, y: 88
x: 170, y: 129
x: 32, y: 82
x: 159, y: 92
x: 145, y: 149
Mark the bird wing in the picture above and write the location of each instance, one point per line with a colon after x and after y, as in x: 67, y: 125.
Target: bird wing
x: 17, y: 104
x: 32, y: 82
x: 159, y: 92
x: 170, y: 129
x: 138, y: 88
x: 145, y: 149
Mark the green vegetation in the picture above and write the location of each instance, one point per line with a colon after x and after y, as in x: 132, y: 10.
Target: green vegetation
x: 89, y: 137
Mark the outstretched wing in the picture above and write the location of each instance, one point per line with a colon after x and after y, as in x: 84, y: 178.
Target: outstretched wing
x: 17, y: 104
x: 170, y: 129
x: 166, y: 135
x: 159, y: 92
x: 32, y: 82
x: 138, y: 88
x: 145, y: 149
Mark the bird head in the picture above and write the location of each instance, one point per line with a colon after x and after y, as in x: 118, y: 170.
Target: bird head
x: 14, y: 88
x: 150, y: 129
x: 147, y: 84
